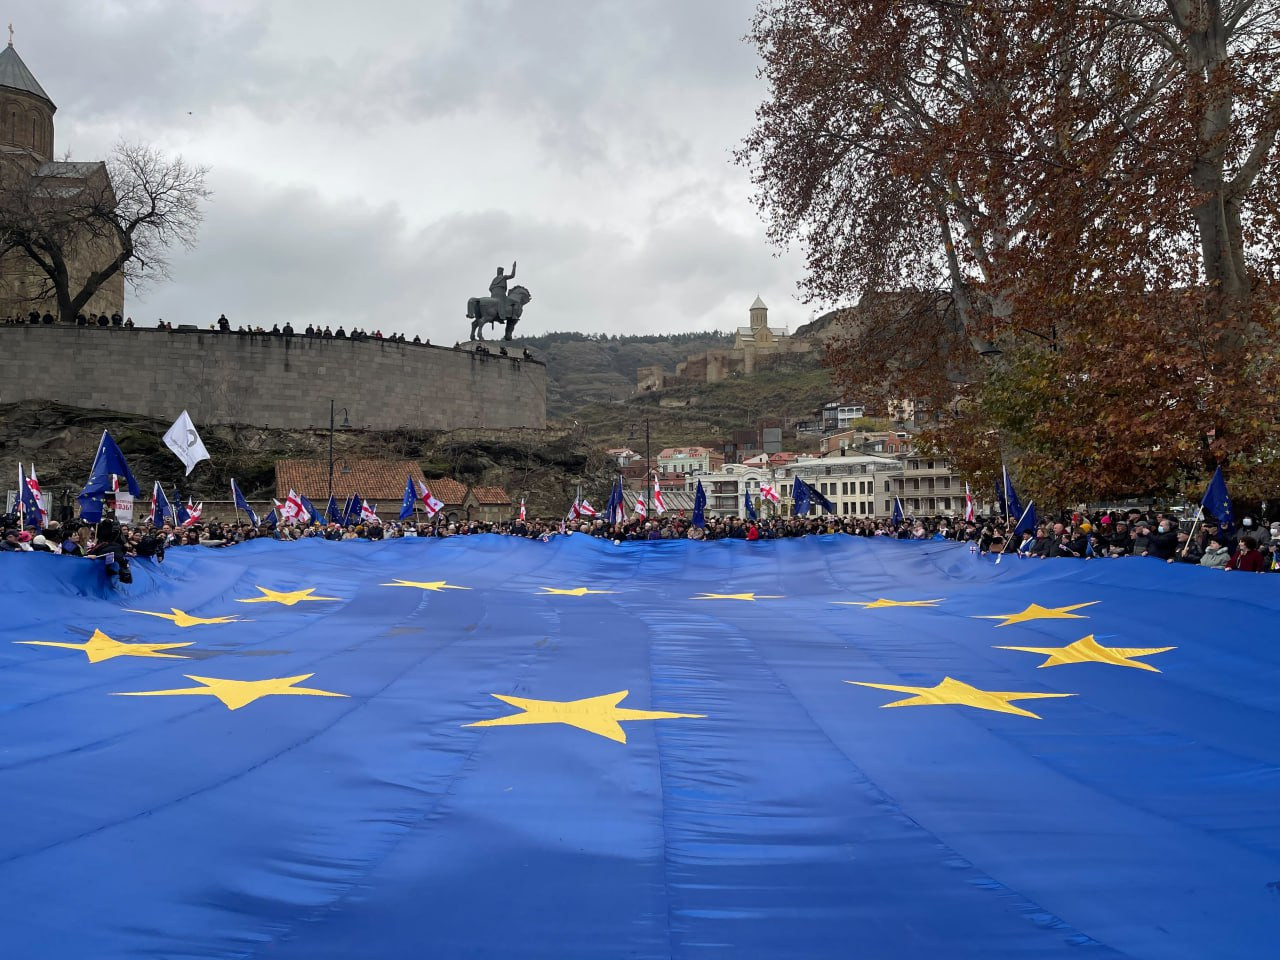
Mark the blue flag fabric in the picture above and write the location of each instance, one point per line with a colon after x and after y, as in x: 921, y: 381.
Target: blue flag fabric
x: 312, y: 513
x: 179, y: 510
x: 1217, y: 502
x: 107, y: 462
x: 241, y: 503
x: 699, y: 518
x: 821, y: 500
x: 897, y: 517
x: 27, y: 502
x: 409, y: 500
x: 270, y: 519
x: 352, y: 515
x: 346, y: 758
x: 161, y: 512
x: 1010, y: 498
x: 799, y: 498
x: 332, y: 513
x: 748, y: 506
x: 1026, y: 521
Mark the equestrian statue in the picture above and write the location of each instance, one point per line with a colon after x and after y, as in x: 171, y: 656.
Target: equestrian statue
x: 498, y: 306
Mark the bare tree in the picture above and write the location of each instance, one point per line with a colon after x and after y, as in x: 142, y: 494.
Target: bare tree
x: 81, y: 224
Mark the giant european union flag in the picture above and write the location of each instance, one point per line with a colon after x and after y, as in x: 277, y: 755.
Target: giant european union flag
x: 498, y: 748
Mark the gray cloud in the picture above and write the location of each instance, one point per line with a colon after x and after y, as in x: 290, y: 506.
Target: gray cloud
x: 373, y: 167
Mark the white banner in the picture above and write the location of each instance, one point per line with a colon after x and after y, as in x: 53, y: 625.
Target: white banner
x: 124, y: 506
x: 185, y: 443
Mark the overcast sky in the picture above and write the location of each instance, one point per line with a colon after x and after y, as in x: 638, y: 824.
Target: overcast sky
x: 373, y: 163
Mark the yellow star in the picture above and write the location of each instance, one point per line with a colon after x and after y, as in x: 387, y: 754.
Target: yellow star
x: 238, y: 693
x: 735, y: 596
x: 877, y: 604
x: 288, y: 598
x: 953, y: 691
x: 1037, y: 612
x: 598, y: 715
x: 1088, y: 650
x: 184, y: 619
x: 435, y: 586
x: 575, y: 592
x: 100, y: 647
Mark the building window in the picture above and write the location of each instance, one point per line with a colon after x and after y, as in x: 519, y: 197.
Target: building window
x: 886, y: 486
x: 888, y: 506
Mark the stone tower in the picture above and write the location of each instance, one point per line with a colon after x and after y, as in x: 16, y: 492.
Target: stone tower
x: 26, y: 112
x: 759, y: 315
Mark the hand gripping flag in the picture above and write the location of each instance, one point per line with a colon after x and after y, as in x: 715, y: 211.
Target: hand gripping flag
x: 241, y: 503
x: 1217, y: 502
x: 185, y: 443
x: 699, y: 518
x: 659, y: 507
x: 748, y: 506
x: 429, y: 503
x: 409, y: 501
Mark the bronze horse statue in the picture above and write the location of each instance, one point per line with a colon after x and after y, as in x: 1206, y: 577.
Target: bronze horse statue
x: 482, y: 310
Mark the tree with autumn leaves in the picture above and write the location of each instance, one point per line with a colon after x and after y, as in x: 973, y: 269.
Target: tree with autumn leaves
x: 1057, y: 220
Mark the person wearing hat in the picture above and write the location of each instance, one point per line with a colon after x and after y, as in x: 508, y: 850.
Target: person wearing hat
x: 1216, y: 556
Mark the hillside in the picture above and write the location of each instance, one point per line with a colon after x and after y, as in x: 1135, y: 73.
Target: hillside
x: 583, y: 369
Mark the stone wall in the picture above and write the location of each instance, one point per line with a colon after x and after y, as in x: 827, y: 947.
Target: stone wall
x: 284, y: 382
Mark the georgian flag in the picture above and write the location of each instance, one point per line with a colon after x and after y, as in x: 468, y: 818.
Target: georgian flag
x: 968, y: 504
x: 640, y: 508
x: 293, y: 508
x: 659, y: 508
x: 194, y: 512
x: 369, y: 513
x: 522, y: 508
x: 34, y: 486
x: 768, y: 493
x: 429, y: 503
x: 585, y: 509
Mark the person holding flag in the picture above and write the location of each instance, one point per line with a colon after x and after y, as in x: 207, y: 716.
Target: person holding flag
x: 968, y: 504
x: 160, y: 509
x: 659, y: 508
x: 108, y: 464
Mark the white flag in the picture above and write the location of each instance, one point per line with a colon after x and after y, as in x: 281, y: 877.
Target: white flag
x: 185, y: 443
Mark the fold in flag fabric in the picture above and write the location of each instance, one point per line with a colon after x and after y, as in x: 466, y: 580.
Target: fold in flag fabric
x: 1217, y: 502
x: 484, y: 746
x: 185, y: 442
x: 108, y: 464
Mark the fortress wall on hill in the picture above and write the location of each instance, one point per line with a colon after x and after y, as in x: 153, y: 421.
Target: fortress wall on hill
x: 285, y: 382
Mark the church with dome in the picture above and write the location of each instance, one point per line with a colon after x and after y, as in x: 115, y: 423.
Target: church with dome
x: 34, y: 184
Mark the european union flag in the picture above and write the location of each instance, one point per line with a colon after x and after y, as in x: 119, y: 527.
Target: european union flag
x: 1010, y: 497
x: 815, y: 748
x: 179, y: 510
x: 27, y: 502
x: 312, y: 513
x: 241, y: 503
x: 352, y: 515
x: 1217, y: 502
x: 1026, y: 519
x: 799, y: 498
x: 820, y: 499
x: 748, y: 506
x: 699, y: 518
x: 409, y: 501
x: 331, y: 512
x: 616, y: 507
x: 107, y: 462
x: 896, y: 517
x: 161, y: 512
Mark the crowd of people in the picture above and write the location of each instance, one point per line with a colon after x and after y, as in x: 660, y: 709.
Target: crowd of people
x: 1254, y: 547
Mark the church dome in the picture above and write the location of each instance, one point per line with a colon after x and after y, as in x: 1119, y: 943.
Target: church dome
x: 26, y: 112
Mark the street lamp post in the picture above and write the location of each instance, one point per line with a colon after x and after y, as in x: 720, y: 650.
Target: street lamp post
x: 346, y: 425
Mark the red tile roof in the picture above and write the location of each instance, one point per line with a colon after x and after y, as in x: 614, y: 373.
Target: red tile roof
x: 492, y: 496
x: 372, y: 479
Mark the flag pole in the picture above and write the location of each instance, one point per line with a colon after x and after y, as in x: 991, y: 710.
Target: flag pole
x: 1004, y: 489
x: 1030, y: 504
x: 1195, y: 523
